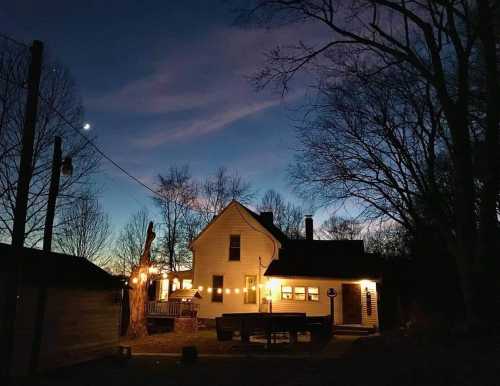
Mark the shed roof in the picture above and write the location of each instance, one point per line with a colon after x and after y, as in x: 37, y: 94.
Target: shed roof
x: 55, y: 269
x: 342, y: 259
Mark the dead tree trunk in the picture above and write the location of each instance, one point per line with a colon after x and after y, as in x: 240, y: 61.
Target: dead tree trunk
x: 138, y: 292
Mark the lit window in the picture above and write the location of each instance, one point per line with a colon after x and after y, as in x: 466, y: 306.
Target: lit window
x: 163, y: 289
x: 313, y: 294
x: 175, y: 284
x: 250, y: 290
x: 187, y: 284
x: 299, y: 293
x: 286, y: 292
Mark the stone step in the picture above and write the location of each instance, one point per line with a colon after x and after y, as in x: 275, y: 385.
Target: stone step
x: 352, y: 330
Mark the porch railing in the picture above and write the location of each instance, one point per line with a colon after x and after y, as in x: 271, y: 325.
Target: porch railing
x: 171, y: 309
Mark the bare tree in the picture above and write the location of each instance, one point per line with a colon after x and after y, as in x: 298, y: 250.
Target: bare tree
x: 58, y: 93
x: 85, y: 230
x: 138, y: 281
x: 129, y: 243
x: 340, y: 228
x: 217, y: 190
x: 386, y: 239
x: 438, y: 42
x: 178, y: 194
x: 286, y: 216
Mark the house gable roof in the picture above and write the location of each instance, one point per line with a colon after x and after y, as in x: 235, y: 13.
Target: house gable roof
x: 342, y: 259
x: 270, y: 228
x: 55, y: 269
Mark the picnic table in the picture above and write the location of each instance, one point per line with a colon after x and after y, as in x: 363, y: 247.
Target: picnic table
x: 249, y: 324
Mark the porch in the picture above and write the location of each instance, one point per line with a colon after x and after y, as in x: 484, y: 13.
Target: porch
x: 171, y: 309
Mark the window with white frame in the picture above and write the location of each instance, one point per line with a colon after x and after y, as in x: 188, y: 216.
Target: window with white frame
x: 313, y: 294
x: 286, y: 292
x: 299, y: 293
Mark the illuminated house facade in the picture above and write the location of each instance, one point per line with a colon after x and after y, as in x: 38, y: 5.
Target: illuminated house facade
x: 243, y: 263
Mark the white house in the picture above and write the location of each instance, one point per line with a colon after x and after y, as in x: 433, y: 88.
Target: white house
x: 243, y: 263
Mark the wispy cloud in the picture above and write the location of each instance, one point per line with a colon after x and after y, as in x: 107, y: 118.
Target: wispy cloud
x: 202, y: 126
x: 199, y: 89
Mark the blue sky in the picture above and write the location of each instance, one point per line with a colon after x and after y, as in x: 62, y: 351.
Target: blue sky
x: 163, y: 83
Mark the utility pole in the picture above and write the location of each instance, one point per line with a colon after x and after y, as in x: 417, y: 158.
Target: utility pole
x: 20, y: 212
x: 26, y: 167
x: 47, y: 245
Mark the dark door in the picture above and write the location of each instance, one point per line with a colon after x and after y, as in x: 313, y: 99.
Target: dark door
x: 351, y: 303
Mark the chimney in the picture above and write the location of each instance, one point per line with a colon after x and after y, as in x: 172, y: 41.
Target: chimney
x: 267, y: 217
x: 309, y: 227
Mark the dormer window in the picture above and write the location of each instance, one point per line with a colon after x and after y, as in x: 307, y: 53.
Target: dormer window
x: 234, y: 248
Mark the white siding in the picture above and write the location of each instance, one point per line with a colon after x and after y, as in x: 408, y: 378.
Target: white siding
x: 211, y: 257
x: 322, y: 307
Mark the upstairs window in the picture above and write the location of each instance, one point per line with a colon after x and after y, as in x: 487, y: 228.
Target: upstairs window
x: 234, y: 248
x: 217, y: 288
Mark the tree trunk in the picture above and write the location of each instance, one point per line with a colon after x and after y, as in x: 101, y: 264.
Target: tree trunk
x: 488, y: 228
x: 138, y: 293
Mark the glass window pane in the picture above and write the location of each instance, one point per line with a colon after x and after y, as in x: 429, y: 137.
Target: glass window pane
x: 313, y: 294
x: 250, y: 290
x: 217, y: 291
x: 300, y: 293
x: 286, y: 292
x: 234, y: 247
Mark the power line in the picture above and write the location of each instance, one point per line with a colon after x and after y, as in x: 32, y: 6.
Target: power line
x: 12, y: 40
x: 104, y: 155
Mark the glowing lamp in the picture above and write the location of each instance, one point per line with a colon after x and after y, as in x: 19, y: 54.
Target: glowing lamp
x: 67, y: 166
x: 200, y: 288
x: 236, y: 290
x: 228, y: 291
x: 135, y: 280
x: 209, y: 290
x: 219, y: 290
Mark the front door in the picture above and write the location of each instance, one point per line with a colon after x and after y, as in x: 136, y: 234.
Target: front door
x: 351, y: 303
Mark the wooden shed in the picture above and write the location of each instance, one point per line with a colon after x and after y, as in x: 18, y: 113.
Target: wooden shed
x: 66, y: 310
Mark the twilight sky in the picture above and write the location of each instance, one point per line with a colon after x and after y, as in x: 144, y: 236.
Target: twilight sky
x: 163, y: 83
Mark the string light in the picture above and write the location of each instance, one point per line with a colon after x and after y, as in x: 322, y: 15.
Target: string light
x: 209, y: 290
x: 200, y: 288
x: 219, y: 290
x: 228, y: 291
x: 245, y: 290
x: 135, y: 280
x: 144, y: 277
x: 236, y: 290
x: 253, y: 288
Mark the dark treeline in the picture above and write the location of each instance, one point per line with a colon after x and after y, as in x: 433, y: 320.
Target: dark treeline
x: 404, y: 122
